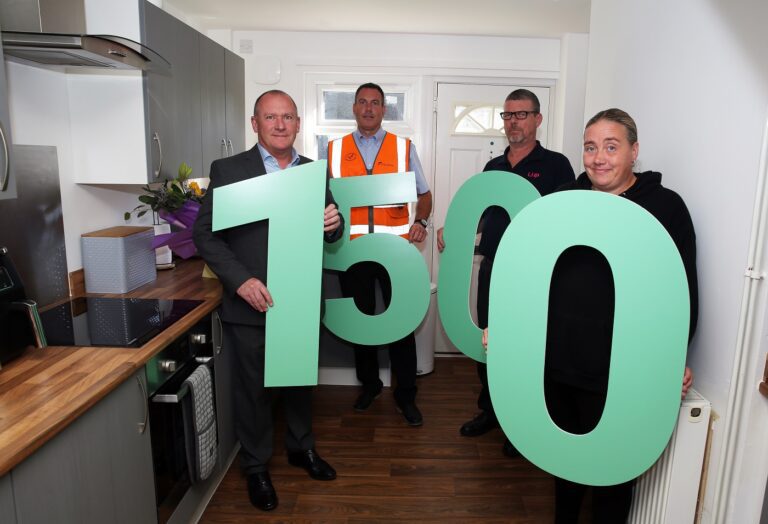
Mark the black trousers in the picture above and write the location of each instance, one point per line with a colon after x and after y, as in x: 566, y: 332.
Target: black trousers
x: 359, y: 282
x: 253, y: 402
x: 483, y: 286
x: 578, y: 411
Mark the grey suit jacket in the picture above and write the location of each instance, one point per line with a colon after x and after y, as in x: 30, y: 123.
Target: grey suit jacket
x: 239, y: 253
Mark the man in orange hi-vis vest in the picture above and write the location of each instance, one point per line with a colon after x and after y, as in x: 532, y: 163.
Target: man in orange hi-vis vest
x: 372, y: 151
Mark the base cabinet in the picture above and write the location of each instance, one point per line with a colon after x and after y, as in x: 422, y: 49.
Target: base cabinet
x: 7, y: 506
x: 99, y: 469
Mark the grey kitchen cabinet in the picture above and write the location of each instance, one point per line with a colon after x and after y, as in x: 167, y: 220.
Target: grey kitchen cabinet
x: 7, y: 178
x: 235, y: 101
x: 98, y: 469
x: 223, y: 361
x: 7, y: 506
x: 174, y: 112
x: 213, y: 92
x: 222, y: 95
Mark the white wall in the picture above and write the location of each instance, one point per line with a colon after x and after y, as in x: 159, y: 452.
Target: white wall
x: 693, y: 74
x: 40, y: 115
x: 424, y: 58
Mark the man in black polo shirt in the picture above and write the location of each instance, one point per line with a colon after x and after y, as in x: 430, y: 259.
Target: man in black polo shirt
x: 546, y: 170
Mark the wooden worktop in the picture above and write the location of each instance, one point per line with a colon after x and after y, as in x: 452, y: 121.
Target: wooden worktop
x: 44, y: 390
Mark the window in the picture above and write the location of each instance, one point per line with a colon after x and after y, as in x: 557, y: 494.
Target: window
x: 337, y: 106
x: 477, y: 120
x: 329, y: 109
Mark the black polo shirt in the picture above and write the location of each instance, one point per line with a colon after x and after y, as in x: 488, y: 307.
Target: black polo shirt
x: 546, y: 170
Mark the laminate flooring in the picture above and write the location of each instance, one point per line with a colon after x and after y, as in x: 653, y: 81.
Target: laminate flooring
x: 390, y: 472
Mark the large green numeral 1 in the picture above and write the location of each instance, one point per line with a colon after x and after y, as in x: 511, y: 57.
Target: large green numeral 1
x: 650, y: 335
x: 407, y: 272
x: 491, y: 188
x: 293, y: 200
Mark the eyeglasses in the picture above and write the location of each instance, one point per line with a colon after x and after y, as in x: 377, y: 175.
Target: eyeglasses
x: 519, y: 115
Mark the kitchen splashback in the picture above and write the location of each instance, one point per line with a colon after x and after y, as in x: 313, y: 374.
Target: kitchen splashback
x: 32, y: 227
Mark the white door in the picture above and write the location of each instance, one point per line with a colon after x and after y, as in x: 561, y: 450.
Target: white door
x: 469, y: 132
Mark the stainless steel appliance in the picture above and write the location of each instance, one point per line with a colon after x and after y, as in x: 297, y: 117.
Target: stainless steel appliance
x: 20, y: 326
x: 114, y: 322
x: 171, y: 413
x: 51, y: 33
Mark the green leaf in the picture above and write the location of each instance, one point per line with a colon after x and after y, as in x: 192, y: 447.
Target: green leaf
x: 147, y: 199
x: 127, y: 215
x: 142, y: 213
x: 184, y: 171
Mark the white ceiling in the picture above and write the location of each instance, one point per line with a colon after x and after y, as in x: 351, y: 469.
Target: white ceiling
x: 541, y: 18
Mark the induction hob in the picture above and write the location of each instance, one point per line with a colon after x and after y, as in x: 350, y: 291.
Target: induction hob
x: 114, y: 322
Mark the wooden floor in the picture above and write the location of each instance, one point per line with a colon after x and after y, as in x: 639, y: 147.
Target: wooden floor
x: 390, y: 472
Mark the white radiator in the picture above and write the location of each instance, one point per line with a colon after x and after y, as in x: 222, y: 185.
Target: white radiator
x: 667, y: 493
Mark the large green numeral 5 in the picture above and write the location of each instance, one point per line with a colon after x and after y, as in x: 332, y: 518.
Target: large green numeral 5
x: 650, y: 335
x: 407, y: 272
x: 293, y: 200
x: 491, y: 188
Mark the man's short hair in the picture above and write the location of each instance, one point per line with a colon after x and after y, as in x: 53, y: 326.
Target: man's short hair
x: 273, y: 92
x: 370, y: 85
x: 524, y: 94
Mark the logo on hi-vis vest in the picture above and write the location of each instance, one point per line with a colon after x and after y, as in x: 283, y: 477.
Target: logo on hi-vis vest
x: 350, y: 156
x: 381, y: 163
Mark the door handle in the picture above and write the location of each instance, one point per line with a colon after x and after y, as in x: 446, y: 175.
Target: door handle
x: 224, y: 148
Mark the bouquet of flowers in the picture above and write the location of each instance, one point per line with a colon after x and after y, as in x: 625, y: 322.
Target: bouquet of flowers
x: 177, y: 202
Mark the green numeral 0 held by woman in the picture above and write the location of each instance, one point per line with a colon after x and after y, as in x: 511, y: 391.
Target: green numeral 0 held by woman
x: 650, y: 335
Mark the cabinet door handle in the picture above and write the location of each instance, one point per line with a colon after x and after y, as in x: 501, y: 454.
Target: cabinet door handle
x: 231, y: 147
x: 142, y: 426
x: 224, y: 148
x: 156, y: 138
x: 7, y: 169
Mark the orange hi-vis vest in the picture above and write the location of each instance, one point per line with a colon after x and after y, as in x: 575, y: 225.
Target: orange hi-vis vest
x: 344, y: 159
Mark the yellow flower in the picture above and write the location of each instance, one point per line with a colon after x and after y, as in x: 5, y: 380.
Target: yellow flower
x: 195, y: 188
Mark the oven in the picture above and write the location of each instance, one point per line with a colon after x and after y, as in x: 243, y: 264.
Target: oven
x: 182, y: 416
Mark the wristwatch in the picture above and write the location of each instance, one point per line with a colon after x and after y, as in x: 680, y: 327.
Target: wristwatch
x: 423, y: 222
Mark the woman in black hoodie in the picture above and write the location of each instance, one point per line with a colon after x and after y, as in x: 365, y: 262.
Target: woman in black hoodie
x: 581, y: 304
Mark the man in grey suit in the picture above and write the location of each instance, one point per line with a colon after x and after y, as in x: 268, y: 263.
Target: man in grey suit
x: 238, y: 256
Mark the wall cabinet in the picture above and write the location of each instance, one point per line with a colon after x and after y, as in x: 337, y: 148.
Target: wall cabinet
x: 223, y: 100
x: 187, y: 118
x: 174, y: 120
x: 99, y: 469
x: 7, y: 178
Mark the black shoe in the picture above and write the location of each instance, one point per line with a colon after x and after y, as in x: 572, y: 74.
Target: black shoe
x: 411, y: 413
x: 261, y: 492
x: 510, y: 450
x: 317, y: 468
x: 365, y: 400
x: 480, y: 425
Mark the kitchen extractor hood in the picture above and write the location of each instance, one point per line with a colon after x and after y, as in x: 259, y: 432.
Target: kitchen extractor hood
x: 52, y: 49
x: 52, y: 33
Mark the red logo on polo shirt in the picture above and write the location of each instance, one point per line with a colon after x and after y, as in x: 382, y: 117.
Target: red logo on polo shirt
x: 533, y: 174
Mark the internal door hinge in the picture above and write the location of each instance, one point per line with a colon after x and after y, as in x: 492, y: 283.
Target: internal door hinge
x: 754, y: 275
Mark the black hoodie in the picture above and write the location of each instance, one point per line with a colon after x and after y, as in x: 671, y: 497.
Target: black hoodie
x: 581, y: 301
